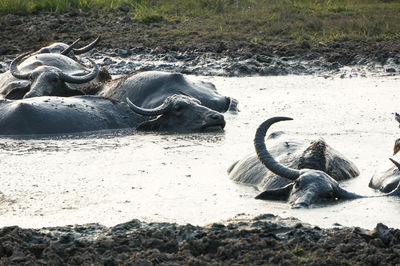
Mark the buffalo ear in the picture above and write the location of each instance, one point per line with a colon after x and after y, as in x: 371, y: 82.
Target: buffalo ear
x: 276, y: 194
x: 17, y: 93
x: 151, y: 125
x: 341, y: 193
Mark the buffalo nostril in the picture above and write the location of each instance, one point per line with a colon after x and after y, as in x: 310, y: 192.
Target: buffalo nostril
x: 216, y: 116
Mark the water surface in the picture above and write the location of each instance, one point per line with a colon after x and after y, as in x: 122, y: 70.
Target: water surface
x: 115, y: 176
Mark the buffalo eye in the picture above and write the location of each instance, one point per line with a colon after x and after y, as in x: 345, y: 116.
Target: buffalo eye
x: 53, y: 79
x: 178, y: 107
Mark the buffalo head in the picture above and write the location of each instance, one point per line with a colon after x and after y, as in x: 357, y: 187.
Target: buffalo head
x: 308, y: 185
x: 180, y: 113
x: 48, y: 81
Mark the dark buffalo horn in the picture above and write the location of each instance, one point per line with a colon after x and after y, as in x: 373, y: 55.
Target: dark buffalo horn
x: 14, y: 70
x: 88, y: 47
x: 162, y: 109
x: 82, y: 79
x: 395, y: 163
x: 69, y: 48
x: 276, y: 194
x: 265, y: 157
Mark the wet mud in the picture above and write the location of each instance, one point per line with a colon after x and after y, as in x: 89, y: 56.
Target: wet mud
x: 266, y: 239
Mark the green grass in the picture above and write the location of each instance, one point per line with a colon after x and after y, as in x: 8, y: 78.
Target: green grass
x: 260, y: 21
x: 34, y: 6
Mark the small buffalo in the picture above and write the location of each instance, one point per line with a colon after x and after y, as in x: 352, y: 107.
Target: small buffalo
x: 57, y: 115
x: 306, y: 186
x: 387, y: 177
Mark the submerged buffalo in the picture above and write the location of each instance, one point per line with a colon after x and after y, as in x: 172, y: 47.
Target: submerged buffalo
x: 56, y: 115
x: 149, y: 89
x: 47, y: 74
x: 387, y: 177
x: 306, y: 186
x: 296, y: 154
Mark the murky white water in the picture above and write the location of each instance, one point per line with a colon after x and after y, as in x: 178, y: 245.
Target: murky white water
x: 113, y: 177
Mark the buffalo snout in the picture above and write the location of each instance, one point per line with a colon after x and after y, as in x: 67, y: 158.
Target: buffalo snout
x: 217, y: 118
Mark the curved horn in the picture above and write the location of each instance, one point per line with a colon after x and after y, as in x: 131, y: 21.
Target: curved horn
x: 88, y: 47
x: 162, y: 109
x: 67, y: 50
x: 14, y: 70
x: 265, y: 157
x: 82, y: 79
x: 395, y: 163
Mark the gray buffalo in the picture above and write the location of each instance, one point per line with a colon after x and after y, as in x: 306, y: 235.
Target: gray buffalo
x: 56, y: 115
x: 149, y: 89
x: 306, y: 186
x: 387, y: 177
x: 298, y: 154
x: 46, y: 74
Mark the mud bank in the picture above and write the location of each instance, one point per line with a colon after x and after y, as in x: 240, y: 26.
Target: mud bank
x: 124, y: 61
x: 128, y: 46
x: 266, y: 239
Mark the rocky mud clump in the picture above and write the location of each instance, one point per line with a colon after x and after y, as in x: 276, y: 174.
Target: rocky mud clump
x: 266, y: 239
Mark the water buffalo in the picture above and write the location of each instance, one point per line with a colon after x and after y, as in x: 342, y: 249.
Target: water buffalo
x: 298, y: 154
x: 306, y: 186
x: 149, y: 89
x: 68, y: 50
x: 387, y: 177
x: 56, y: 115
x: 45, y: 74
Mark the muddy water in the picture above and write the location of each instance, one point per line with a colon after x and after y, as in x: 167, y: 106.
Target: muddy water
x: 113, y: 177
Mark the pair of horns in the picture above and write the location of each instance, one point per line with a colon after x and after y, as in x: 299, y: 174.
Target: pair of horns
x: 67, y: 78
x: 81, y: 50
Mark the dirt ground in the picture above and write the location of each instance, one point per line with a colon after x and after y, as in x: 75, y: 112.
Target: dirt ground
x: 263, y: 240
x: 119, y: 30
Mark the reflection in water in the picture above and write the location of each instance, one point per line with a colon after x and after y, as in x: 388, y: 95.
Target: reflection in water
x: 115, y: 176
x: 21, y: 145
